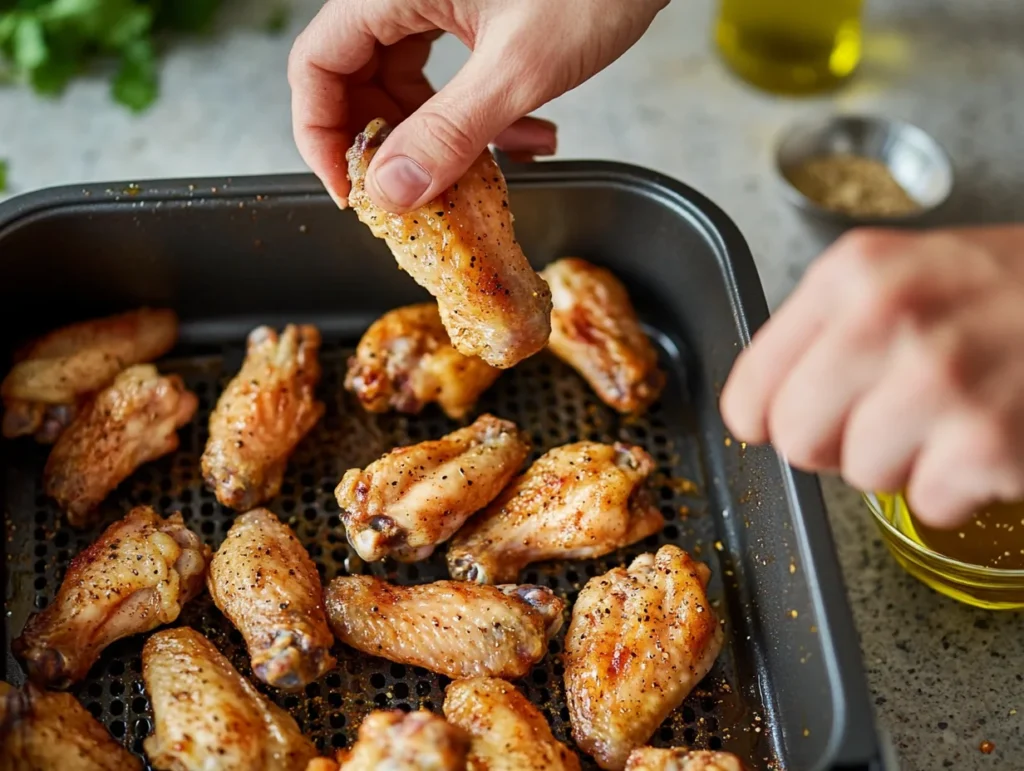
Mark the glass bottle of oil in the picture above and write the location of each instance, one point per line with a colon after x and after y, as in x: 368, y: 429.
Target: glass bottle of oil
x: 791, y: 46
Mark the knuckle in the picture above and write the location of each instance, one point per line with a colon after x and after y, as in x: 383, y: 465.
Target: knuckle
x: 448, y: 136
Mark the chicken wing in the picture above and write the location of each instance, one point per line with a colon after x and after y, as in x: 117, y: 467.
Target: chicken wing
x: 509, y: 733
x: 453, y: 628
x: 639, y: 641
x: 461, y: 248
x: 405, y: 361
x: 680, y: 759
x: 132, y: 421
x: 595, y: 330
x: 394, y: 740
x: 207, y: 717
x: 42, y: 731
x: 135, y: 577
x: 575, y: 502
x: 413, y: 498
x: 262, y: 415
x: 55, y: 373
x: 263, y: 580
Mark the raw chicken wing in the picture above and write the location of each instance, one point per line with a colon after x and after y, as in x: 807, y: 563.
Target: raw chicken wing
x: 594, y: 329
x: 263, y: 580
x: 394, y: 740
x: 262, y: 415
x: 414, y: 498
x: 680, y: 759
x: 461, y: 248
x: 575, y: 502
x: 509, y: 733
x: 207, y: 717
x: 131, y: 422
x: 43, y: 731
x: 55, y: 373
x: 639, y: 641
x: 453, y: 628
x: 135, y: 577
x: 405, y: 361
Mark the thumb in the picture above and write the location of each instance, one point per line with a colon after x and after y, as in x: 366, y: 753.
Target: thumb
x: 428, y: 151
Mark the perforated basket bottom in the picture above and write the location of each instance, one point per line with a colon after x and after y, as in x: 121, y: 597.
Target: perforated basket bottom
x: 543, y: 396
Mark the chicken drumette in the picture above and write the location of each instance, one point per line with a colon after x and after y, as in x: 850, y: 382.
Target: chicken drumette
x: 135, y: 577
x: 406, y: 361
x: 579, y: 501
x: 680, y: 759
x: 394, y: 740
x: 263, y: 580
x: 414, y: 498
x: 461, y: 248
x: 132, y: 421
x: 639, y: 641
x: 453, y: 628
x: 262, y: 415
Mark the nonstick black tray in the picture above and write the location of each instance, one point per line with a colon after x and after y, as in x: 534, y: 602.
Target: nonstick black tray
x: 789, y: 690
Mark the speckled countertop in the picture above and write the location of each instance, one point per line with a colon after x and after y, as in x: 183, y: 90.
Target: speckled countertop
x: 944, y: 677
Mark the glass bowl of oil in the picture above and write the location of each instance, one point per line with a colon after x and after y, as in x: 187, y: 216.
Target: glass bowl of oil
x: 980, y: 564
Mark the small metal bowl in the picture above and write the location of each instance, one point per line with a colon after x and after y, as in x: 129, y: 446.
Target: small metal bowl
x: 915, y: 160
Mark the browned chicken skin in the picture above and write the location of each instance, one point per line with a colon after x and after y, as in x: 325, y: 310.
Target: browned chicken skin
x: 680, y: 759
x: 414, y: 498
x: 132, y: 421
x: 135, y: 577
x: 263, y: 580
x: 579, y: 501
x: 262, y: 415
x: 55, y: 373
x: 453, y: 628
x: 461, y: 248
x: 207, y: 717
x: 509, y: 733
x: 46, y: 731
x: 406, y: 361
x: 639, y: 641
x: 594, y: 329
x: 393, y: 740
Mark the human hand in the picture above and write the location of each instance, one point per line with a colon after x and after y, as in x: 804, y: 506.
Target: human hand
x: 363, y: 59
x: 898, y: 361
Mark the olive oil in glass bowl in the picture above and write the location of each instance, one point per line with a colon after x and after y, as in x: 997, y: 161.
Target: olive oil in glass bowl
x: 980, y: 564
x: 791, y: 46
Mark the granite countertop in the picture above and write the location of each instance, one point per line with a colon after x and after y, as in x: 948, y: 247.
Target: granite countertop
x: 944, y: 677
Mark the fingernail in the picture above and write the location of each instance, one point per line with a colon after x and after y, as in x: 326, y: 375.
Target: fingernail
x: 401, y: 181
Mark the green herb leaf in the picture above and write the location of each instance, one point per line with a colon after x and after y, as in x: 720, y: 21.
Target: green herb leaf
x: 135, y: 85
x: 29, y: 43
x: 278, y: 20
x: 188, y: 15
x: 3, y: 175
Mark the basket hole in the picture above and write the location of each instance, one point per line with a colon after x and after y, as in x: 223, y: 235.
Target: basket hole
x: 377, y: 680
x: 401, y: 690
x: 715, y: 743
x: 116, y: 707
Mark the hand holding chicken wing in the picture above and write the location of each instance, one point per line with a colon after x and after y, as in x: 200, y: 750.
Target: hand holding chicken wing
x: 399, y: 741
x: 680, y: 759
x: 135, y: 577
x: 639, y: 641
x: 414, y: 498
x: 131, y: 422
x: 263, y: 580
x: 450, y: 627
x: 461, y: 248
x: 579, y: 501
x: 262, y: 415
x: 405, y: 361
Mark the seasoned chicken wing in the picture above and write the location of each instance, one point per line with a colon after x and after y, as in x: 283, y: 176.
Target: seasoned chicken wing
x: 575, y: 502
x: 394, y: 740
x: 461, y: 248
x: 56, y: 372
x: 262, y: 415
x: 263, y: 580
x: 132, y: 421
x: 43, y: 731
x: 639, y: 641
x: 453, y: 628
x: 680, y: 759
x: 413, y: 498
x: 594, y: 329
x: 509, y: 733
x: 207, y: 717
x: 406, y: 361
x: 135, y: 577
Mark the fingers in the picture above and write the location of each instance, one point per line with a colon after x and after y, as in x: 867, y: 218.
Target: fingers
x: 529, y: 136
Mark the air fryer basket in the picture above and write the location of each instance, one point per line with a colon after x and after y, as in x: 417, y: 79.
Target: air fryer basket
x: 787, y: 691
